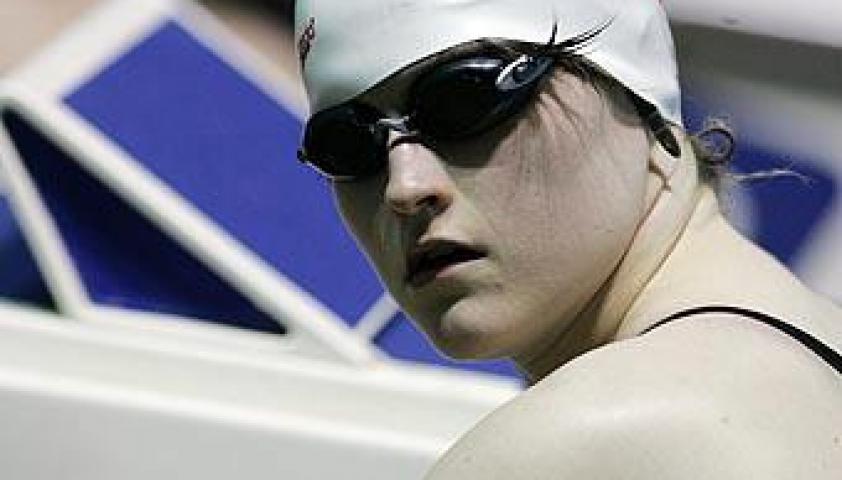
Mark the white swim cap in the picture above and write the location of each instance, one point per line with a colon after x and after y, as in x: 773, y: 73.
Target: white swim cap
x: 348, y: 46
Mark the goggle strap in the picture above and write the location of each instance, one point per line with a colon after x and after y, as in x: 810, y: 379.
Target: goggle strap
x: 657, y: 125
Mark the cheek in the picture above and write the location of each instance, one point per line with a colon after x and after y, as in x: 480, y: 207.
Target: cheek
x: 592, y: 160
x: 570, y: 202
x: 598, y: 193
x: 352, y: 211
x: 359, y: 208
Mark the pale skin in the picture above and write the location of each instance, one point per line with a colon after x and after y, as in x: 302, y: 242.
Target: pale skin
x: 593, y: 234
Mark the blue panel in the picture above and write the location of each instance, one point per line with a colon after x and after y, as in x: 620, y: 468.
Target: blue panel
x: 20, y: 279
x: 787, y: 209
x: 230, y: 149
x: 125, y: 260
x: 402, y: 340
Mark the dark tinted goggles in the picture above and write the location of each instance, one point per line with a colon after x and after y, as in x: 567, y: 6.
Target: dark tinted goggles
x: 454, y: 101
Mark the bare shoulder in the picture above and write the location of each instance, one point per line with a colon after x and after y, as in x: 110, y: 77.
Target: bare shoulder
x: 707, y: 400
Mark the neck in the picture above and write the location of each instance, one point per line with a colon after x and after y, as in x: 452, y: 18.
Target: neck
x: 672, y: 201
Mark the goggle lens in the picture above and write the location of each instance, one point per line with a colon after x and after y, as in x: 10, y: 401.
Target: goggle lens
x: 345, y: 142
x: 451, y: 103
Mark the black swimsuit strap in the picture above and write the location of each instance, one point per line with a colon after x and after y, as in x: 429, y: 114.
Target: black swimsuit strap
x: 826, y: 353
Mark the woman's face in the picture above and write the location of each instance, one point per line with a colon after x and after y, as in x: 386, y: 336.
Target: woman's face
x: 494, y: 244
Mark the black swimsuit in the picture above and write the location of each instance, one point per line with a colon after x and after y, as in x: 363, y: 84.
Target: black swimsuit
x: 826, y: 353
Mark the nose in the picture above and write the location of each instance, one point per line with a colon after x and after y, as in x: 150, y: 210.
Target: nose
x: 418, y: 181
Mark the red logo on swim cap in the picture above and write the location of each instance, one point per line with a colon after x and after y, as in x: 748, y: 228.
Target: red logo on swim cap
x: 305, y: 42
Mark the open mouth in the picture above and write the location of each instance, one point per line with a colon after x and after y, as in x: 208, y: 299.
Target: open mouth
x: 428, y: 260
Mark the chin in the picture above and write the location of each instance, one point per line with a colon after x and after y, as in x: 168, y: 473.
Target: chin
x: 463, y: 339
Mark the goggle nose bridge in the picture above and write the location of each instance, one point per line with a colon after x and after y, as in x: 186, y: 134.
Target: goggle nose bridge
x: 400, y: 125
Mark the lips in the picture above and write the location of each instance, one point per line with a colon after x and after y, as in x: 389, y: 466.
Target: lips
x: 430, y: 258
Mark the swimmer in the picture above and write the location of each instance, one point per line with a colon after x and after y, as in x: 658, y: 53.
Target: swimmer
x: 518, y: 173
